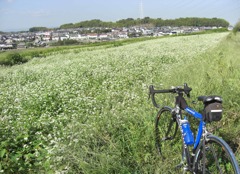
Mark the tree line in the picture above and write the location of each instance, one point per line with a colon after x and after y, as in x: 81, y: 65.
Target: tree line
x: 236, y: 27
x: 198, y: 22
x: 35, y: 29
x: 147, y: 21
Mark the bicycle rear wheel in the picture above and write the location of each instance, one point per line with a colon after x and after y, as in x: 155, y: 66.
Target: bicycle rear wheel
x: 168, y: 144
x: 219, y: 158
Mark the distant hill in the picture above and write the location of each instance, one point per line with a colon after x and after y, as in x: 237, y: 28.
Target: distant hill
x: 194, y: 21
x: 147, y: 21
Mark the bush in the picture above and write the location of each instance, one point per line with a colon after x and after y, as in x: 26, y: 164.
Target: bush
x: 13, y: 59
x: 236, y: 28
x: 66, y: 42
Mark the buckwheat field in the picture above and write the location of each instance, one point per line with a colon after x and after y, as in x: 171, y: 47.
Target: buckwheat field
x: 87, y: 110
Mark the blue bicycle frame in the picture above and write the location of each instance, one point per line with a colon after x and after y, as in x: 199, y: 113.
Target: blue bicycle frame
x: 198, y: 160
x: 200, y: 127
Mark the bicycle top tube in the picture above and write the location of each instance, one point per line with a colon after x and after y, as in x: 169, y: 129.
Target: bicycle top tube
x: 193, y: 113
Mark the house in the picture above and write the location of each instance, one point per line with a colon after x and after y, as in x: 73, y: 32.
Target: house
x: 9, y: 41
x: 45, y: 36
x: 103, y: 37
x: 40, y: 43
x: 74, y: 36
x: 21, y: 45
x: 83, y: 37
x: 93, y: 36
x: 123, y: 35
x: 64, y: 37
x: 230, y: 28
x: 60, y: 36
x: 55, y: 36
x: 6, y: 46
x: 147, y: 32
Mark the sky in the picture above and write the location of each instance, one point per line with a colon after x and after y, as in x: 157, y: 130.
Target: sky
x: 19, y: 15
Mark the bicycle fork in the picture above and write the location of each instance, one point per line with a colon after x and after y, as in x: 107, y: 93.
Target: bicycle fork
x: 186, y: 157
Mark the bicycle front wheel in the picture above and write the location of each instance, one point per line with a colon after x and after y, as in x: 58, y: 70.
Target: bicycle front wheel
x: 219, y: 158
x: 167, y: 142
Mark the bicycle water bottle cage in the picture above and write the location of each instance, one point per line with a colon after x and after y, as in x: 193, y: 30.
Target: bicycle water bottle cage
x: 212, y: 108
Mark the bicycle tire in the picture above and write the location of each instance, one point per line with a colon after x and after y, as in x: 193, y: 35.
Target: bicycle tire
x: 168, y: 145
x: 219, y: 157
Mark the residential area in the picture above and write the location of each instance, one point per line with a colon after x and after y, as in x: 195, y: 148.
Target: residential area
x: 24, y: 40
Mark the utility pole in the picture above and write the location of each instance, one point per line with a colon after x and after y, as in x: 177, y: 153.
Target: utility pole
x: 141, y: 9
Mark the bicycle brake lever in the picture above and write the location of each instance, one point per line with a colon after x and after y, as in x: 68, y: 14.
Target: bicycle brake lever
x: 187, y: 90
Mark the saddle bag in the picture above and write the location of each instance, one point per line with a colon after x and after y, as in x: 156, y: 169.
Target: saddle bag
x: 212, y: 111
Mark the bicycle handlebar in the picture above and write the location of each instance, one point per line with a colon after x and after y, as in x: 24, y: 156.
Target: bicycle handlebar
x: 177, y: 90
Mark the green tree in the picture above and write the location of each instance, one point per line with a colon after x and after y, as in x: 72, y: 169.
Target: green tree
x: 13, y: 59
x: 236, y: 27
x: 35, y: 29
x: 70, y: 25
x: 150, y: 21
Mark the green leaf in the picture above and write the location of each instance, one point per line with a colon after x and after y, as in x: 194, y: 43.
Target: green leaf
x: 2, y: 153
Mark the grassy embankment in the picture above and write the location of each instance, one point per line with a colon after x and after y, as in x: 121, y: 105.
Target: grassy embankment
x: 9, y: 58
x: 19, y: 56
x: 87, y: 111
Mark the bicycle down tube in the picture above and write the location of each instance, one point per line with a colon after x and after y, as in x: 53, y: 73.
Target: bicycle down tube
x: 200, y: 127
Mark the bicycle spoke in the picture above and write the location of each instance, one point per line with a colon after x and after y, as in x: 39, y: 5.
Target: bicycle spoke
x: 167, y: 144
x: 216, y: 159
x: 219, y: 158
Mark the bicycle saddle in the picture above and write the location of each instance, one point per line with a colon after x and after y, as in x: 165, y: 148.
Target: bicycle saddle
x: 210, y: 99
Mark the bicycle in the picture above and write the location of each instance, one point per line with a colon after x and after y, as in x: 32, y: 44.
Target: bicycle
x: 207, y: 153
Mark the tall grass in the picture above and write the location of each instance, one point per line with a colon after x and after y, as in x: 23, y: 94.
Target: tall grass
x: 217, y: 72
x: 87, y: 111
